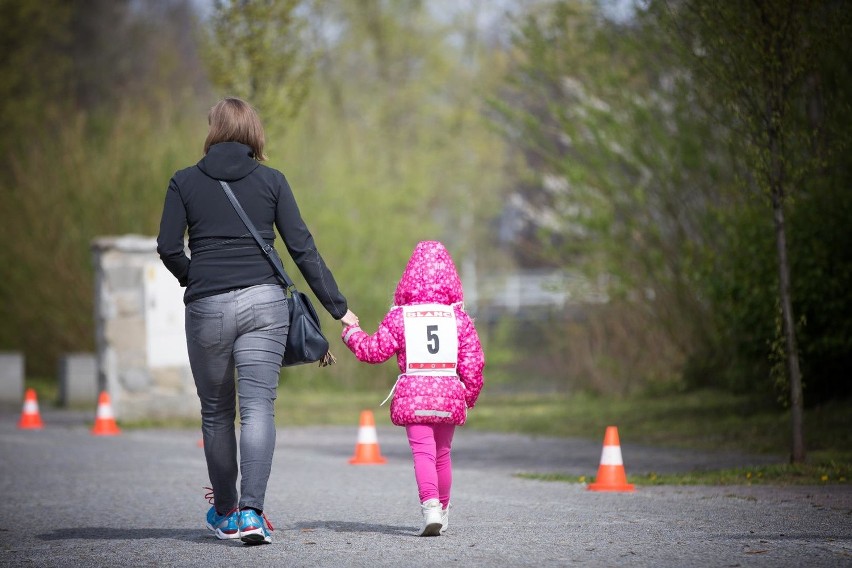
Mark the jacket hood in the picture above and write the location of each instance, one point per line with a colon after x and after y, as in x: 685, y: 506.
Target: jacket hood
x: 228, y: 161
x: 429, y: 277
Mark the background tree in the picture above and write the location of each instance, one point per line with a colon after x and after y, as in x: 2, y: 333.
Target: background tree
x: 386, y: 152
x: 35, y: 71
x: 611, y: 156
x: 390, y: 149
x: 257, y: 50
x: 759, y: 58
x: 91, y: 134
x: 624, y: 171
x: 635, y: 167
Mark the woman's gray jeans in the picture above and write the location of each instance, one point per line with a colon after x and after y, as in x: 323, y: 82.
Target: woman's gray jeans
x: 244, y: 329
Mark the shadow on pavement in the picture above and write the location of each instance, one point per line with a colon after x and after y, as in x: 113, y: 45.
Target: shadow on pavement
x: 112, y: 533
x: 343, y: 527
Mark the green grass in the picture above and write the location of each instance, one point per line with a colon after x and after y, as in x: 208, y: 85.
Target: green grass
x: 304, y: 407
x: 780, y: 474
x: 702, y: 420
x: 705, y: 420
x: 47, y: 389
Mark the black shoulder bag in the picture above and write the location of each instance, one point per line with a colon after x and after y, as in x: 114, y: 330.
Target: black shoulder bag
x: 305, y: 341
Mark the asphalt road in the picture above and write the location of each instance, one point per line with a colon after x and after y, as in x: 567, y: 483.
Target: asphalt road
x: 68, y: 498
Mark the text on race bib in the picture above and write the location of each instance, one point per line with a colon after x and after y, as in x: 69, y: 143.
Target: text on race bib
x: 431, y: 339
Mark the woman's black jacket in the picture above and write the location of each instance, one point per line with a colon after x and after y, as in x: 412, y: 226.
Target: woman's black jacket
x: 223, y: 254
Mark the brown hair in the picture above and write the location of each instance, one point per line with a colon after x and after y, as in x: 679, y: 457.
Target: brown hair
x: 234, y: 120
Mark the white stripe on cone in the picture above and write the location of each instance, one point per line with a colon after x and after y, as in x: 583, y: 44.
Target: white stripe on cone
x: 105, y: 411
x: 367, y: 435
x: 611, y: 455
x: 30, y: 407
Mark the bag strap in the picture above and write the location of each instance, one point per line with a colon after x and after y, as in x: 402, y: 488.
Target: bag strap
x: 274, y: 260
x: 268, y: 250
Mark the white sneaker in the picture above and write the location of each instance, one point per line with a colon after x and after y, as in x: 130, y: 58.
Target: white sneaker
x: 445, y: 518
x: 432, y: 517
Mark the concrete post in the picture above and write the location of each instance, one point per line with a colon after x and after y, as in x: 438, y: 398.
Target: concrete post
x: 78, y: 379
x: 11, y: 377
x: 141, y: 345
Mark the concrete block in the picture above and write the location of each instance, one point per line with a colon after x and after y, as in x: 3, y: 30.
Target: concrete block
x: 124, y: 278
x: 135, y: 380
x: 11, y: 377
x: 128, y: 303
x: 78, y: 379
x: 141, y: 348
x: 169, y: 378
x: 126, y: 333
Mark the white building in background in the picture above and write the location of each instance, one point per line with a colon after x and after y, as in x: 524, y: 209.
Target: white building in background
x: 528, y: 294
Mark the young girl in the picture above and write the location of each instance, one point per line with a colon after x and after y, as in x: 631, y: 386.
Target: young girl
x: 441, y: 360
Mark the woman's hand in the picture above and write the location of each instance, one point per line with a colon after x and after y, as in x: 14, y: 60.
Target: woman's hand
x: 349, y: 319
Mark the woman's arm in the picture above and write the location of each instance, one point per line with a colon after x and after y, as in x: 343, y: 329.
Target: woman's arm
x: 300, y: 244
x: 170, y: 239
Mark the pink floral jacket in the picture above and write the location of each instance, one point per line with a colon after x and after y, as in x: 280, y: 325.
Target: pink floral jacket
x: 429, y: 278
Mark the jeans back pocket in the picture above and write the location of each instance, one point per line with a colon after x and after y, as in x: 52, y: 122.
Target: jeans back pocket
x: 205, y: 329
x: 271, y: 315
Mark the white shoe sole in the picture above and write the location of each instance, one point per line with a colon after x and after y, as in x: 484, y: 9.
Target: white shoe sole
x: 222, y: 535
x: 432, y: 529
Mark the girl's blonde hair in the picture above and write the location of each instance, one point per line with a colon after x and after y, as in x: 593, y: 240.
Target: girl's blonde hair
x: 234, y: 120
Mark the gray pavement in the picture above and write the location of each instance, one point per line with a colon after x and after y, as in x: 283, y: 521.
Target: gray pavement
x: 69, y: 498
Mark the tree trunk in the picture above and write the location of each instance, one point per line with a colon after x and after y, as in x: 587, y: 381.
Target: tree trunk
x: 795, y: 374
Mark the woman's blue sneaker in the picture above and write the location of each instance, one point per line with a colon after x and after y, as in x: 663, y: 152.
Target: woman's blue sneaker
x: 223, y: 526
x: 254, y: 528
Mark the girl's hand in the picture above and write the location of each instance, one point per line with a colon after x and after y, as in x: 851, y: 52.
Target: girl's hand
x: 349, y: 319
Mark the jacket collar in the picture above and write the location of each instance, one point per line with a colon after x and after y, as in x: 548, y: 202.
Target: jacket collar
x: 228, y: 161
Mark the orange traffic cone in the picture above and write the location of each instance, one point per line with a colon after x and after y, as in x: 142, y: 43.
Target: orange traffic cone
x: 367, y: 448
x: 611, y: 475
x: 105, y: 420
x: 30, y: 418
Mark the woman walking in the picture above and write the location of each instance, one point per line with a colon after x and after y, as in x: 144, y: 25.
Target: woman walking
x: 236, y: 310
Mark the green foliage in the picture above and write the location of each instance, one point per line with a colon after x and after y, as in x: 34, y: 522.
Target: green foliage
x: 627, y: 169
x: 756, y: 58
x: 65, y: 190
x: 390, y: 149
x: 35, y: 67
x: 775, y: 65
x: 256, y: 50
x: 643, y: 143
x: 740, y: 283
x: 374, y: 110
x: 384, y: 155
x: 743, y: 285
x: 822, y: 257
x: 88, y: 136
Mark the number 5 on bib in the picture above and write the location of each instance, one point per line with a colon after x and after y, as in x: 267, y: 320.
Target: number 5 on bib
x: 431, y: 339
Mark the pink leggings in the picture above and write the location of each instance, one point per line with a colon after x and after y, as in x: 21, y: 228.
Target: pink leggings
x: 433, y: 467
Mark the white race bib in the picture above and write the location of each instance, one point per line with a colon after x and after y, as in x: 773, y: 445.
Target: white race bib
x: 431, y: 339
